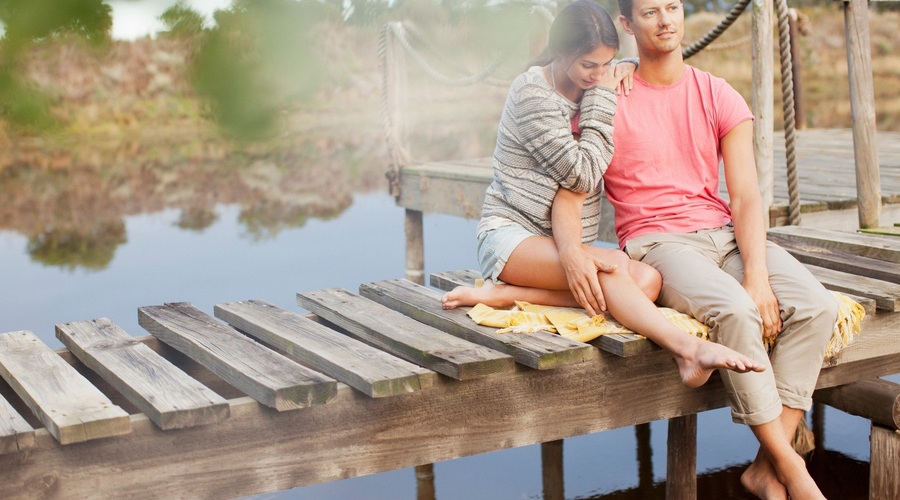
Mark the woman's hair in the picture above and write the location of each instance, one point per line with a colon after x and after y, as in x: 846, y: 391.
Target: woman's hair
x: 578, y: 29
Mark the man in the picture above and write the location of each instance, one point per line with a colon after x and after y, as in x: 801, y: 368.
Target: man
x: 670, y: 134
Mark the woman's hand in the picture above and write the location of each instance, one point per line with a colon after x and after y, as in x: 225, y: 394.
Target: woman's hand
x: 581, y: 272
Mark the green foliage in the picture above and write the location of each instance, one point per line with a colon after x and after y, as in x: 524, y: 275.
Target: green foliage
x: 29, y: 21
x: 182, y: 22
x: 23, y: 106
x: 260, y: 56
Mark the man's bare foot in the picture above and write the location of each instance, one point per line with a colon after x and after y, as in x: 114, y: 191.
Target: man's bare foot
x: 760, y: 479
x: 488, y: 294
x: 796, y: 479
x: 696, y: 367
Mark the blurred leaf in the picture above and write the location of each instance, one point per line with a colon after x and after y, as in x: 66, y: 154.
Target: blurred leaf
x: 30, y: 20
x: 23, y: 106
x: 261, y: 56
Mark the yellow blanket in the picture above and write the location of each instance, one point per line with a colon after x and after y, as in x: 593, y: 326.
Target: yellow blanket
x: 575, y: 324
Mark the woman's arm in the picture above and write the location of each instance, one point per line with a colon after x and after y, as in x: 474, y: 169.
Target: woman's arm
x: 581, y: 267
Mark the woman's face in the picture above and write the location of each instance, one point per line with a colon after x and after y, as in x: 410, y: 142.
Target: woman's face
x: 585, y: 70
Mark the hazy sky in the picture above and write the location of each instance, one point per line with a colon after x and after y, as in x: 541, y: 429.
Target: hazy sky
x: 137, y: 18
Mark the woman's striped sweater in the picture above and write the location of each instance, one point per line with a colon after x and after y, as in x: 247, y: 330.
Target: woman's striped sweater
x: 536, y: 154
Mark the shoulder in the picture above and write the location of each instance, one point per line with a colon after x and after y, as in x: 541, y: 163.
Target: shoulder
x: 718, y: 86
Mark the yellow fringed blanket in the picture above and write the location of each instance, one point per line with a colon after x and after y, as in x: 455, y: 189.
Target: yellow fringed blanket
x: 574, y: 323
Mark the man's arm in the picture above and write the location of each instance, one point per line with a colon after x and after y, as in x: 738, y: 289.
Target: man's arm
x: 749, y: 224
x: 580, y: 266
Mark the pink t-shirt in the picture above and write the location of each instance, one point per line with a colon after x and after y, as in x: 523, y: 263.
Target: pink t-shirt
x: 664, y: 175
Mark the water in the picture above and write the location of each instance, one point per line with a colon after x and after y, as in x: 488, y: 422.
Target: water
x: 161, y: 262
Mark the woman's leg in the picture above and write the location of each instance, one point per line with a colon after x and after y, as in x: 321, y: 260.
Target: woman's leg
x: 534, y: 272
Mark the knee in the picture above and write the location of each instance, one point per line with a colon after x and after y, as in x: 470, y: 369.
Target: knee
x: 735, y: 322
x: 647, y: 278
x: 820, y: 311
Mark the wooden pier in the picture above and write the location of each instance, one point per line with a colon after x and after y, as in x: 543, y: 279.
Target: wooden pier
x: 251, y: 398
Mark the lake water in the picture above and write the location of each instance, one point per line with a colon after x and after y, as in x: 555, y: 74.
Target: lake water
x: 161, y: 262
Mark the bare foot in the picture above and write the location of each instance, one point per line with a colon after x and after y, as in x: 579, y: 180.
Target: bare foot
x: 796, y: 479
x: 696, y: 368
x: 761, y: 480
x: 487, y: 294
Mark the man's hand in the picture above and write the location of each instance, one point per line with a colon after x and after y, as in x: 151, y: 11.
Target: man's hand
x: 618, y: 77
x: 762, y: 295
x: 626, y: 69
x: 581, y: 272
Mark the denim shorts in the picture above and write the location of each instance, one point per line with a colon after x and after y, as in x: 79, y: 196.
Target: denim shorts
x: 496, y: 245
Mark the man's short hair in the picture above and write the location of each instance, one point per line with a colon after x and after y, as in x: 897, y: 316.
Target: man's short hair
x: 625, y: 7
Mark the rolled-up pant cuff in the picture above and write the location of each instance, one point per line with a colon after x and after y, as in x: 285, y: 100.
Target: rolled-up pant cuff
x: 763, y: 416
x: 795, y: 401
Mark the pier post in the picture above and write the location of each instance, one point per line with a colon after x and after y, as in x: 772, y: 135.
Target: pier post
x: 862, y: 112
x: 552, y: 470
x: 681, y: 461
x: 415, y: 247
x: 761, y: 100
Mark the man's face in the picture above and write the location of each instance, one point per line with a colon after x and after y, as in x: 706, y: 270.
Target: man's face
x: 657, y: 25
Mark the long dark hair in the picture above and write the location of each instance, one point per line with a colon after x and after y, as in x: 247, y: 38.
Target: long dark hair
x: 578, y: 29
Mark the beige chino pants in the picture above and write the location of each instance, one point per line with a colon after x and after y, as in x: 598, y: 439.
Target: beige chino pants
x: 702, y: 274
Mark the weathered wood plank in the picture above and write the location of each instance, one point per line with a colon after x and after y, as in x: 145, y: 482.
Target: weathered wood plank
x: 70, y: 407
x: 15, y: 433
x: 864, y: 245
x: 875, y: 399
x: 886, y: 295
x: 167, y: 395
x: 838, y: 260
x: 257, y: 450
x: 403, y: 336
x: 541, y: 350
x: 369, y: 370
x: 620, y: 344
x: 261, y: 373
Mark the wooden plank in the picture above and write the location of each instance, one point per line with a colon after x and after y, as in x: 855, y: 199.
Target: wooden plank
x: 355, y: 435
x: 540, y: 351
x: 620, y: 344
x: 70, y: 407
x: 681, y: 460
x: 369, y: 370
x: 886, y: 295
x: 884, y: 458
x: 167, y: 395
x: 838, y: 260
x: 875, y: 399
x: 261, y: 373
x: 403, y: 336
x: 874, y: 247
x: 15, y: 433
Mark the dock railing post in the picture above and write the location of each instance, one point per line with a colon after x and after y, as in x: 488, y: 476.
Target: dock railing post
x: 761, y: 100
x: 862, y: 112
x: 681, y: 461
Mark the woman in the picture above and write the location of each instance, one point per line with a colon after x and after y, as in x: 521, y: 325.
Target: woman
x: 541, y: 213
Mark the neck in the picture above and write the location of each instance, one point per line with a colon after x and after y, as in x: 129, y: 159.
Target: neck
x: 661, y: 69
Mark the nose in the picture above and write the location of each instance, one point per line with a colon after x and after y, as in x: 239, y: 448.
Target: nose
x: 665, y: 18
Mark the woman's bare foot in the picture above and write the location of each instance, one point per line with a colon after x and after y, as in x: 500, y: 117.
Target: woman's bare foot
x: 488, y: 294
x: 760, y: 479
x: 696, y: 367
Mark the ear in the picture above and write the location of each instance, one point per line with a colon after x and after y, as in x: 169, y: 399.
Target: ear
x: 626, y: 25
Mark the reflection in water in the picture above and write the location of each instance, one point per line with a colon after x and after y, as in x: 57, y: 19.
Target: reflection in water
x: 93, y: 249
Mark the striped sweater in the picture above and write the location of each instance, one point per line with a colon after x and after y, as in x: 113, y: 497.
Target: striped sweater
x: 536, y: 155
